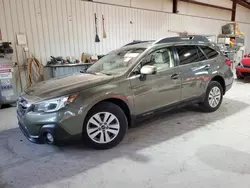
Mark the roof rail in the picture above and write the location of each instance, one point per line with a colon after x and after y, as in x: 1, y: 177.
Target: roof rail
x: 138, y: 42
x: 196, y: 38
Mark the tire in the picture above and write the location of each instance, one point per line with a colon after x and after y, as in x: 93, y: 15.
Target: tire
x: 240, y: 78
x: 207, y: 105
x: 100, y: 135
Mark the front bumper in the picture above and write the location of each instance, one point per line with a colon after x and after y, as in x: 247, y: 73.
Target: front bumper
x: 62, y: 125
x: 39, y: 139
x: 58, y: 133
x: 242, y: 72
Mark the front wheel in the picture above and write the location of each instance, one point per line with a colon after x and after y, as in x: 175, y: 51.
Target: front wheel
x: 213, y: 98
x: 105, y: 126
x: 240, y: 77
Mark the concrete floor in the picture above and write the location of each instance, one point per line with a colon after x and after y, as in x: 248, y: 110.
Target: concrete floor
x: 185, y: 149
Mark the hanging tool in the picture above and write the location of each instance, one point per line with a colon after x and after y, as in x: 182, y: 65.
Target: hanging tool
x: 103, y: 28
x: 97, y: 39
x: 35, y: 71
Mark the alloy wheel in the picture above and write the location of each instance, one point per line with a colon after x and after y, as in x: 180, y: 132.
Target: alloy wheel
x: 103, y: 127
x: 214, y: 97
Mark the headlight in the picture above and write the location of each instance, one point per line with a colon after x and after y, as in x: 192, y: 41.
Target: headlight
x: 53, y: 105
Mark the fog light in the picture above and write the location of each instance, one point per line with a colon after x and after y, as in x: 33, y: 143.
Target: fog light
x: 50, y: 138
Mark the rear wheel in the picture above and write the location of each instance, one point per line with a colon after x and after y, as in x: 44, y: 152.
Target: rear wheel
x: 213, y: 98
x: 105, y: 126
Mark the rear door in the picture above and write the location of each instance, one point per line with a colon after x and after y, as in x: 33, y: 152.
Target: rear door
x: 208, y: 66
x: 194, y: 68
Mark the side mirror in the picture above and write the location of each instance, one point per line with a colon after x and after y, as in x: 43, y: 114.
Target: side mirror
x: 148, y: 69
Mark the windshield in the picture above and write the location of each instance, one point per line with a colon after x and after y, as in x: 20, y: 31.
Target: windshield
x: 115, y: 62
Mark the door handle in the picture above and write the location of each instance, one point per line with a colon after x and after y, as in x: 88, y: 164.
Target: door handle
x: 175, y: 76
x: 207, y: 67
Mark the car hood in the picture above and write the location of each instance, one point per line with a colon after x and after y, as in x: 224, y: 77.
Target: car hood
x: 66, y: 85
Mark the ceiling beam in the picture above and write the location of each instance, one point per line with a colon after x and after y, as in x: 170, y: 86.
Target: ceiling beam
x: 175, y: 6
x: 234, y: 4
x: 243, y: 3
x: 206, y: 4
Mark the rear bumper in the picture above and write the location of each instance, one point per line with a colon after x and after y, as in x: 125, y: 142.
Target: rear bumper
x: 228, y: 87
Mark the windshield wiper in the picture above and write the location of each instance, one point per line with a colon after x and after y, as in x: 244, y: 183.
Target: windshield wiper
x: 85, y: 72
x: 94, y: 73
x: 108, y: 74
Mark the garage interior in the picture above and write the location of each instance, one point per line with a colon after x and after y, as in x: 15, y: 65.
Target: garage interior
x: 42, y: 40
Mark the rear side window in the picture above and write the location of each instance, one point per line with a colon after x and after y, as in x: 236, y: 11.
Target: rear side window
x: 187, y: 54
x: 202, y: 57
x: 210, y: 53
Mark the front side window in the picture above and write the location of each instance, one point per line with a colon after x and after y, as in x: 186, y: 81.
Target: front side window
x: 187, y: 54
x: 210, y: 53
x: 162, y: 59
x: 116, y: 62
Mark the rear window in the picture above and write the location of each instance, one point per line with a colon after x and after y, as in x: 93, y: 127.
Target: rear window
x: 210, y: 53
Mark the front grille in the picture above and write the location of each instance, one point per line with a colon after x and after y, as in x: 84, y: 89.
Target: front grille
x: 246, y: 66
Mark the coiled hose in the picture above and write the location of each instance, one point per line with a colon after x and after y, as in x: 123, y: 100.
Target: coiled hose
x: 35, y: 71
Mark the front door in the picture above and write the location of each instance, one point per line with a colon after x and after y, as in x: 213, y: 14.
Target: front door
x: 158, y: 90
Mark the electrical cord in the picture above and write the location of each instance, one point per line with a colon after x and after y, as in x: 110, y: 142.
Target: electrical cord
x: 35, y: 71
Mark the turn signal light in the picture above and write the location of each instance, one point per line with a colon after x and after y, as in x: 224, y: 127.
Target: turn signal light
x: 72, y: 98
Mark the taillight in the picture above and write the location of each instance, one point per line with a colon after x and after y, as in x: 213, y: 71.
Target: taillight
x: 228, y: 62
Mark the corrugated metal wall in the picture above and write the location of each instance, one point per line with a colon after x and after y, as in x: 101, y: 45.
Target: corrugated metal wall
x: 66, y: 27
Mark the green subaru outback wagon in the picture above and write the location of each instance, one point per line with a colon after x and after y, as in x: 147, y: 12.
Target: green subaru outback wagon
x: 136, y: 80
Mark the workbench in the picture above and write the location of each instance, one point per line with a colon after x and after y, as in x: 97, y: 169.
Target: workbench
x: 58, y: 70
